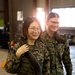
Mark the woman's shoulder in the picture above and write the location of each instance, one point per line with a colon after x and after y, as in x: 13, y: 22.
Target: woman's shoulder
x: 15, y: 46
x: 17, y: 43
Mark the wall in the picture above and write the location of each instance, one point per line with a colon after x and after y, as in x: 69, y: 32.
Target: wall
x: 4, y: 18
x: 1, y: 9
x: 67, y: 30
x: 62, y: 3
x: 26, y: 6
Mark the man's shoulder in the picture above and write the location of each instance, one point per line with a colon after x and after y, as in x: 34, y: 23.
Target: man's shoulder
x: 43, y: 35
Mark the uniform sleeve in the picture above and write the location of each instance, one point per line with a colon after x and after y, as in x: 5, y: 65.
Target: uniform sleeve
x: 67, y: 59
x: 12, y: 62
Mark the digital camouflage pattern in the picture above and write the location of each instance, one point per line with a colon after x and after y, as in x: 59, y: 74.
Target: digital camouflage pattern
x: 22, y: 66
x: 59, y: 54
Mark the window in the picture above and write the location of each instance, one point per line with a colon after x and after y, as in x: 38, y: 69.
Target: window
x: 67, y: 16
x: 40, y: 14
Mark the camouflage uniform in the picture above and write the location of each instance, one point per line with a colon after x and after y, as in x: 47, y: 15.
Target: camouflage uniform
x: 22, y: 66
x: 59, y: 54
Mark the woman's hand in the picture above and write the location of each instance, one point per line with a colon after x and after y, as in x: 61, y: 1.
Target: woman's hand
x: 23, y: 49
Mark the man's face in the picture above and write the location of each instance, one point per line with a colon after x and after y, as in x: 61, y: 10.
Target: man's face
x: 53, y: 24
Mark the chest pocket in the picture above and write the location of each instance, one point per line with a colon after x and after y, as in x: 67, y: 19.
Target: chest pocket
x: 37, y: 52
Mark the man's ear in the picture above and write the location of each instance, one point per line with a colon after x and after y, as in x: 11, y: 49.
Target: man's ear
x: 46, y: 22
x: 46, y: 25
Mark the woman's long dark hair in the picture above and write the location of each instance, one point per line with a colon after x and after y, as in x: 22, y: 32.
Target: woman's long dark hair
x: 27, y: 23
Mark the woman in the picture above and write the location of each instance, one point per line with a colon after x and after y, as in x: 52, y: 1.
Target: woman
x: 57, y: 47
x: 20, y: 61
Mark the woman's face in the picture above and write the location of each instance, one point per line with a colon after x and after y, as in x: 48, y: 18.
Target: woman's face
x: 34, y: 31
x: 53, y: 24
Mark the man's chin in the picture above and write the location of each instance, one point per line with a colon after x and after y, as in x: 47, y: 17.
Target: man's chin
x: 35, y: 38
x: 54, y: 30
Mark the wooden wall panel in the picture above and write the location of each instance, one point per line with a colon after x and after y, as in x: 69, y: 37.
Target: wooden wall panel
x: 62, y: 3
x: 26, y: 6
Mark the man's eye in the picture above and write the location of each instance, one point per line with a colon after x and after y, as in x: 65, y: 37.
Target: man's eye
x: 55, y: 22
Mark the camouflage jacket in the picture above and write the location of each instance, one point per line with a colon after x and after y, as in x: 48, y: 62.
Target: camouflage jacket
x: 22, y: 66
x: 59, y: 54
